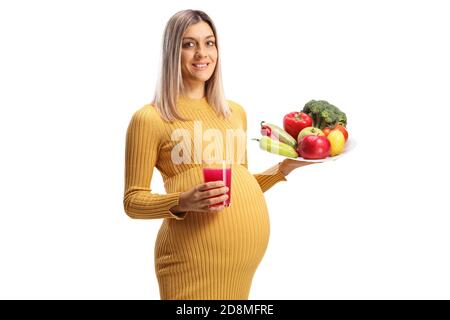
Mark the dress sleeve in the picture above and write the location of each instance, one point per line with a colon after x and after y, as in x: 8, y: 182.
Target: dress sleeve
x: 141, y: 154
x: 266, y: 179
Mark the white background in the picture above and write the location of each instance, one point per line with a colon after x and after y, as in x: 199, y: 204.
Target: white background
x: 372, y: 225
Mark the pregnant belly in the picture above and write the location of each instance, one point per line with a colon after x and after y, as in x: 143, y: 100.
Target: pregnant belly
x: 240, y: 231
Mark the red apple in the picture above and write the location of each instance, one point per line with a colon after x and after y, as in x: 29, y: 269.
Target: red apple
x: 314, y: 147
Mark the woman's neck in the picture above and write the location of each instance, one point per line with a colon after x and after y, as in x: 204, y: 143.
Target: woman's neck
x: 194, y: 90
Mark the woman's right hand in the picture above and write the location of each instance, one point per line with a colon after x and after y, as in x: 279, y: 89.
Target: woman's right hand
x: 200, y: 198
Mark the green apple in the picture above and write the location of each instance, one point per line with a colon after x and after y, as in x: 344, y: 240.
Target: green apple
x: 309, y: 131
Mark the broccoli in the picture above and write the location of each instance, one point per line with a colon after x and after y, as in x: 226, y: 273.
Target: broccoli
x: 324, y: 114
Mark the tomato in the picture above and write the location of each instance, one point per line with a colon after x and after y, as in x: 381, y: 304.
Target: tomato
x: 326, y: 131
x: 341, y: 129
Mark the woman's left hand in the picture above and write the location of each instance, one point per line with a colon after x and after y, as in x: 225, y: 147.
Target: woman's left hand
x: 287, y: 165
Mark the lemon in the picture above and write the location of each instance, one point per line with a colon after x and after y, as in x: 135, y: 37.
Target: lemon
x: 337, y: 142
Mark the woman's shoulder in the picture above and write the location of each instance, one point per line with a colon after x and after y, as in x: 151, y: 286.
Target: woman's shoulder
x: 148, y: 111
x: 235, y: 106
x: 147, y: 114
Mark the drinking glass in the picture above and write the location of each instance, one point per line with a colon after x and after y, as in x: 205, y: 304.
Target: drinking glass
x: 218, y: 171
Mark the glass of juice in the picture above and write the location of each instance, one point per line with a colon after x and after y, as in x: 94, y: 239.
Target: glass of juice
x: 218, y: 171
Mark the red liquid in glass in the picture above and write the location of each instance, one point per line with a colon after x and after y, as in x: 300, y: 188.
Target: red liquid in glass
x: 213, y: 174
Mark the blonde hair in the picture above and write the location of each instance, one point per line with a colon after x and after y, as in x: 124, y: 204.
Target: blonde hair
x: 170, y: 82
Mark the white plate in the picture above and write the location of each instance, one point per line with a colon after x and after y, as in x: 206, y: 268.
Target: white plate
x: 349, y: 146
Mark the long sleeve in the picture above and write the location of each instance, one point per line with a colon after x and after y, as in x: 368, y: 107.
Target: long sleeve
x: 141, y: 154
x: 268, y: 178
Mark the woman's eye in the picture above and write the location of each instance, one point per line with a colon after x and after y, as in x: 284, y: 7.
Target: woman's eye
x: 188, y: 45
x: 191, y: 44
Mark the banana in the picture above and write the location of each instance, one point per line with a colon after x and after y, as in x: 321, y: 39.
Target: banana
x: 275, y: 132
x: 274, y: 146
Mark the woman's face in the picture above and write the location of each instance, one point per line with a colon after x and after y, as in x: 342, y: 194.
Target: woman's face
x: 198, y: 53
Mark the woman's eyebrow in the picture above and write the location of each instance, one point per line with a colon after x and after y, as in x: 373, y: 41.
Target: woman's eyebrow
x: 210, y: 36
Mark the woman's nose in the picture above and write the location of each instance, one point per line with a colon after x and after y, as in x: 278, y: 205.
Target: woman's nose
x: 201, y: 52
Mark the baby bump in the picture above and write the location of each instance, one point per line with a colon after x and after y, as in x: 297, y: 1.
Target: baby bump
x: 237, y: 233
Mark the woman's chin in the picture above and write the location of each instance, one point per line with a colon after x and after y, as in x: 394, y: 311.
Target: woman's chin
x: 202, y: 79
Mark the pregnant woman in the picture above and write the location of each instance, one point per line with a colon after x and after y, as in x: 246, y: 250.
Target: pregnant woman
x: 202, y: 251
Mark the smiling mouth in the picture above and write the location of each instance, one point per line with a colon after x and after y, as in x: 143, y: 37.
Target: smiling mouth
x: 200, y: 66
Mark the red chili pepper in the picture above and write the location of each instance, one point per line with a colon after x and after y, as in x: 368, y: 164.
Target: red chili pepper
x: 266, y: 130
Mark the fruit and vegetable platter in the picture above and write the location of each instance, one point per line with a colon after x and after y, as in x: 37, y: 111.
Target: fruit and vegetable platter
x: 318, y: 133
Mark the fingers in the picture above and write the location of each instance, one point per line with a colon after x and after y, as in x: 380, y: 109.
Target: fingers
x: 209, y: 195
x: 213, y: 193
x: 310, y: 163
x: 216, y: 208
x: 212, y: 201
x: 210, y: 185
x: 306, y: 163
x: 298, y: 163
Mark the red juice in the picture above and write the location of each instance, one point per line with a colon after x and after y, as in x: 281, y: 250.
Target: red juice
x: 216, y: 174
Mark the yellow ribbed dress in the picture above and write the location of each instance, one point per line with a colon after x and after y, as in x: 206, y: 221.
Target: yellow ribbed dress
x: 197, y: 255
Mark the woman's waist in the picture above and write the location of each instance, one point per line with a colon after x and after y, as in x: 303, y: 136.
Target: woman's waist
x: 241, y: 179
